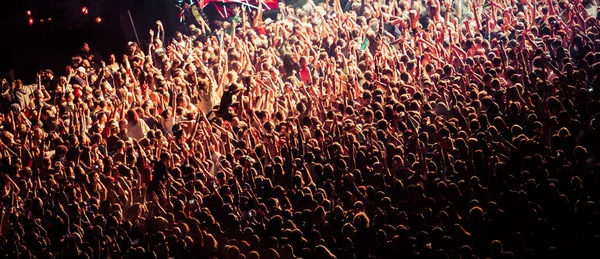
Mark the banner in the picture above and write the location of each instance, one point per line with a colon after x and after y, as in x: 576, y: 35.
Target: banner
x: 222, y: 6
x: 203, y: 3
x: 196, y: 12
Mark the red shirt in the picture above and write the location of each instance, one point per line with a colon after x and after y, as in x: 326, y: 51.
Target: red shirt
x: 305, y: 74
x: 261, y: 29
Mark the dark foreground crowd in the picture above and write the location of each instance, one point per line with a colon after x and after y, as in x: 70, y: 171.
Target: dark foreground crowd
x: 410, y: 129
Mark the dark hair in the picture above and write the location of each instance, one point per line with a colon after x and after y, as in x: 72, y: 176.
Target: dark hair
x: 132, y: 117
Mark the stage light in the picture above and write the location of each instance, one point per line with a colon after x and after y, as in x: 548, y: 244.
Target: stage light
x: 84, y: 10
x: 30, y: 21
x: 42, y: 21
x: 49, y: 19
x: 98, y: 19
x: 28, y: 12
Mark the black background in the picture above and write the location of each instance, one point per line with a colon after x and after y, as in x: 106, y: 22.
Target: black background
x: 28, y: 49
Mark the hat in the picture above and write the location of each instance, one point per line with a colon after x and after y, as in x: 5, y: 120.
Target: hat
x: 48, y: 71
x: 81, y: 69
x: 113, y: 124
x: 131, y: 43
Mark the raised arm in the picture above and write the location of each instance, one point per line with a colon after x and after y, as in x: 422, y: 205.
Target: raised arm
x: 160, y: 31
x: 258, y: 18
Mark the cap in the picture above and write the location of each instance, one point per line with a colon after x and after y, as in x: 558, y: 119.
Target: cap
x: 49, y: 71
x: 81, y: 69
x: 113, y: 124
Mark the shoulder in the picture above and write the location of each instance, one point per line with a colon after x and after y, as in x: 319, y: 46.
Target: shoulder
x: 30, y: 87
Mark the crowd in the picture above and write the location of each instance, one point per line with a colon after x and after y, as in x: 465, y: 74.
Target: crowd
x: 361, y: 129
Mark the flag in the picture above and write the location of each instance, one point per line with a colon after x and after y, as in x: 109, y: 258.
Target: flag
x: 203, y: 3
x: 196, y: 13
x: 222, y: 5
x: 365, y: 44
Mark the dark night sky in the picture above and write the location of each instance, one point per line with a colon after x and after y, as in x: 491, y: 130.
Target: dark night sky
x: 28, y: 49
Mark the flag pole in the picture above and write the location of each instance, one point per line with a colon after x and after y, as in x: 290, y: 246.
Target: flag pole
x: 134, y: 30
x: 263, y: 3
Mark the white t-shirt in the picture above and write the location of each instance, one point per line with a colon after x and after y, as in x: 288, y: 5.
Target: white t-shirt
x: 209, y: 99
x: 137, y: 131
x: 167, y: 124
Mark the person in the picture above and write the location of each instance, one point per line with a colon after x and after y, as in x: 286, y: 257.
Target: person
x: 21, y: 95
x: 77, y: 80
x: 136, y: 127
x: 6, y: 98
x: 187, y: 15
x: 50, y: 82
x: 135, y: 51
x: 160, y: 171
x: 89, y: 54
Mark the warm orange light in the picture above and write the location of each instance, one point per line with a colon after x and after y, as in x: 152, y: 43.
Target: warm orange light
x: 42, y: 21
x: 84, y: 10
x: 98, y: 19
x: 50, y: 19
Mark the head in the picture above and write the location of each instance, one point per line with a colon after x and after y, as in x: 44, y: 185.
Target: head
x: 48, y: 73
x: 158, y: 44
x: 132, y: 46
x: 132, y: 117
